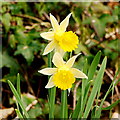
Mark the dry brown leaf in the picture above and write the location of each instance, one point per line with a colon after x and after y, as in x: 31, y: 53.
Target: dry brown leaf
x: 4, y: 113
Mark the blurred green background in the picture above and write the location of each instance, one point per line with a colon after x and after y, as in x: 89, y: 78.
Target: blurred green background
x: 96, y: 24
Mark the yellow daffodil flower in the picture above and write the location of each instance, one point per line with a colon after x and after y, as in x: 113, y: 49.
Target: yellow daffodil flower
x: 63, y: 76
x: 60, y: 40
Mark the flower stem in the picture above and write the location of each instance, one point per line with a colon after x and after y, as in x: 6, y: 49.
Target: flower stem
x: 51, y: 92
x: 49, y: 65
x: 52, y: 102
x: 64, y: 108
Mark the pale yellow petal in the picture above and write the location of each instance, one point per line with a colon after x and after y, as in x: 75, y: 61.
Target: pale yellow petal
x: 64, y: 23
x: 58, y: 60
x: 48, y: 71
x: 50, y: 83
x: 77, y: 73
x: 54, y: 22
x: 69, y: 89
x: 71, y: 61
x: 49, y: 47
x: 47, y: 35
x: 59, y: 50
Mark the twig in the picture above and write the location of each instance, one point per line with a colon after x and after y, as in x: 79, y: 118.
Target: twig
x: 102, y: 45
x: 29, y: 86
x: 30, y: 17
x: 31, y: 105
x: 74, y: 94
x: 46, y: 15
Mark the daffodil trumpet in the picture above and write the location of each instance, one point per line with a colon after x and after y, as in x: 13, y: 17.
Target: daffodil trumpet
x: 60, y: 40
x: 63, y: 76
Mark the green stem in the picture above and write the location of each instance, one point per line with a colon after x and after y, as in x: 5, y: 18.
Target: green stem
x: 49, y: 65
x: 51, y: 92
x: 52, y: 102
x: 64, y: 108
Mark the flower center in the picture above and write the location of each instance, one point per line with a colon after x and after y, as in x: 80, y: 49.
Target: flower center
x: 68, y: 41
x: 63, y: 78
x: 58, y: 34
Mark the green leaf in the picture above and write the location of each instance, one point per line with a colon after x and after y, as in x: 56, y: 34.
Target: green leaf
x: 79, y: 107
x: 22, y: 37
x: 36, y: 111
x: 18, y: 98
x: 106, y: 18
x: 116, y: 10
x: 6, y: 21
x: 93, y: 66
x: 111, y: 106
x: 97, y: 83
x: 82, y: 48
x: 99, y: 7
x: 35, y: 46
x: 8, y: 61
x: 84, y: 82
x: 12, y: 41
x: 26, y: 51
x: 91, y: 73
x: 98, y: 25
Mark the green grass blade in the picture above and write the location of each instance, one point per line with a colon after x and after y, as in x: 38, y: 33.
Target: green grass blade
x: 95, y: 89
x: 18, y: 85
x: 98, y: 112
x: 19, y: 93
x: 19, y: 114
x: 93, y: 66
x: 91, y: 73
x: 111, y: 106
x: 18, y: 98
x: 83, y: 89
x: 64, y: 108
x: 86, y: 84
x: 77, y: 110
x: 92, y: 70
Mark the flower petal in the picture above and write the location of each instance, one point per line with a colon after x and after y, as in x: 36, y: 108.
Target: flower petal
x: 58, y: 60
x: 47, y: 35
x: 69, y: 89
x: 77, y: 73
x: 64, y: 23
x: 48, y: 71
x: 59, y: 50
x: 54, y: 22
x: 50, y: 83
x: 71, y: 61
x: 49, y: 47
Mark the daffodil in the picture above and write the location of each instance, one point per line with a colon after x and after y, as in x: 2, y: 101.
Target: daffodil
x: 63, y: 76
x: 60, y: 40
